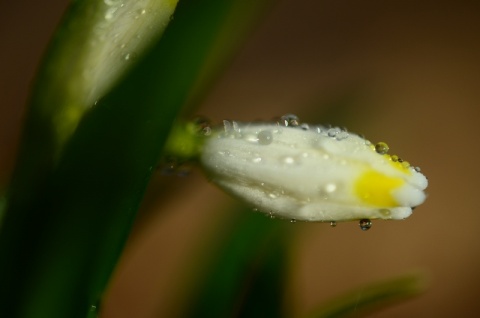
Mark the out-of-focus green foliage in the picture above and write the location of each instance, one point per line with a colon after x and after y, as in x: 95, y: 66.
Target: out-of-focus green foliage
x: 70, y: 209
x: 247, y: 275
x: 372, y: 297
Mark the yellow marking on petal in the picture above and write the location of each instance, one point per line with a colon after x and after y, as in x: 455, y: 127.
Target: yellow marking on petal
x: 399, y: 165
x: 375, y: 188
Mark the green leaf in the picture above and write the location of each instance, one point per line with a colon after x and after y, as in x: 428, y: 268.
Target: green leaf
x: 247, y: 274
x: 372, y: 297
x: 73, y: 201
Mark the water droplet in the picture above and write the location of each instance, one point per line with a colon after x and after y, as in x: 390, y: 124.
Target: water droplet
x: 236, y: 127
x: 333, y: 223
x: 265, y: 137
x: 202, y: 126
x: 342, y: 135
x: 365, y: 224
x: 289, y: 120
x: 333, y: 132
x: 417, y: 169
x: 227, y: 126
x: 293, y: 221
x: 406, y: 164
x: 385, y: 212
x: 271, y: 215
x: 394, y: 158
x: 305, y: 126
x: 381, y: 148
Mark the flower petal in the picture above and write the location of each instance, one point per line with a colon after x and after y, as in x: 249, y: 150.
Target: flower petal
x: 312, y: 174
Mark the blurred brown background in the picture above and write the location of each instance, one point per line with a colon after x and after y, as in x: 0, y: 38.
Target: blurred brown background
x: 404, y: 72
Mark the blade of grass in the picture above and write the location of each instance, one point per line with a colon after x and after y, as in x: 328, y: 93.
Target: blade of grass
x: 247, y: 274
x: 372, y: 297
x: 62, y: 236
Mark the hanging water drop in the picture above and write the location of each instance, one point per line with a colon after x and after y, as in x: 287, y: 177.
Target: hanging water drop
x: 381, y: 148
x: 333, y: 223
x: 365, y: 224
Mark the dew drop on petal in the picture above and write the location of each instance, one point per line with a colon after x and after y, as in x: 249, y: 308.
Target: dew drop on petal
x: 289, y: 120
x: 293, y: 221
x: 265, y: 137
x: 333, y: 132
x: 305, y: 126
x: 333, y: 223
x: 381, y: 148
x: 385, y: 212
x: 342, y: 135
x: 365, y: 224
x: 202, y: 126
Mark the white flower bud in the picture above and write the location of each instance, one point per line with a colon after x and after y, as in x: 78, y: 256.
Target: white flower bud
x: 311, y: 174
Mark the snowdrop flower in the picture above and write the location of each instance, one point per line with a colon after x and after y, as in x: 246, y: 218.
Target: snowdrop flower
x: 311, y: 173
